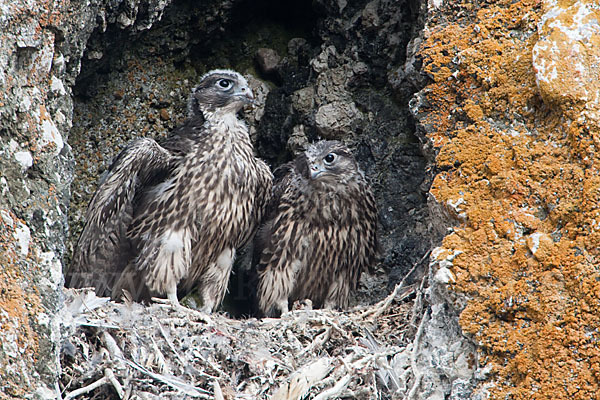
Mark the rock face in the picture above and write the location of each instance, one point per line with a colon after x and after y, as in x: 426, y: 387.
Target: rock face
x: 511, y: 117
x: 41, y: 48
x: 493, y: 104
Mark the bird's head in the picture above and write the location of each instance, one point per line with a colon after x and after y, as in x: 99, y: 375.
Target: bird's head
x: 220, y: 89
x: 330, y: 162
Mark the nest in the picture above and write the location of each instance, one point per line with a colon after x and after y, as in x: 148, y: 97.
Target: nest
x: 131, y: 351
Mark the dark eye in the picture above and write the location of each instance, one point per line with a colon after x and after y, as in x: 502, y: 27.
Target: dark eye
x: 329, y: 158
x: 224, y: 83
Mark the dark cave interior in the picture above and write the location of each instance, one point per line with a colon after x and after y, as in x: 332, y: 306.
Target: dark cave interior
x: 150, y: 73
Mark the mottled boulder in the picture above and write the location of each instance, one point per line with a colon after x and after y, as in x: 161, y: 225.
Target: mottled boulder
x: 267, y: 59
x: 337, y: 119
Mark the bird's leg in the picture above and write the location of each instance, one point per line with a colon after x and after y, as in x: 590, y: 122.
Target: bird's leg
x: 330, y: 304
x: 215, y: 280
x: 207, y: 305
x: 339, y: 291
x: 282, y: 306
x: 172, y: 296
x: 173, y: 301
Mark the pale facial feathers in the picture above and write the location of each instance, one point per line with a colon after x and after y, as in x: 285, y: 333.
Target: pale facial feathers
x: 220, y: 89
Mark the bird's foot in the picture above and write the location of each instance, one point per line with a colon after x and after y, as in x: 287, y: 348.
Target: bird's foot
x: 282, y: 307
x: 177, y: 306
x: 304, y: 305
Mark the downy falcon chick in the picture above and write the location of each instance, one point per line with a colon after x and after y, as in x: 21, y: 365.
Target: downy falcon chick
x: 170, y: 216
x: 320, y: 231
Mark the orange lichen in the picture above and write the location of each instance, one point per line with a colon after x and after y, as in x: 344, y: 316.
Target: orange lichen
x: 524, y: 175
x: 18, y: 308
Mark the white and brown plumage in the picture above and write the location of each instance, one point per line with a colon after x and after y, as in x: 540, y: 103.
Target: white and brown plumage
x: 170, y: 216
x: 320, y: 231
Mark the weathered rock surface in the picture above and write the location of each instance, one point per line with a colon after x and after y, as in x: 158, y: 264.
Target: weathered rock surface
x: 511, y: 118
x: 507, y: 123
x: 80, y: 80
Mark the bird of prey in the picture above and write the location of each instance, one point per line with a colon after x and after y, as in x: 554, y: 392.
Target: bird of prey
x: 320, y: 231
x: 169, y: 217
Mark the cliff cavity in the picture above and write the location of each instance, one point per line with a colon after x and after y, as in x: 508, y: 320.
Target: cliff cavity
x: 333, y: 74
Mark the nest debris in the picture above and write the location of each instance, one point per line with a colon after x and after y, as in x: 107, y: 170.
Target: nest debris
x: 131, y: 351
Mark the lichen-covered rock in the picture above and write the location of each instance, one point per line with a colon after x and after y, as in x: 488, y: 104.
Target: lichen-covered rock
x: 34, y: 178
x: 509, y: 121
x: 41, y: 47
x: 565, y: 56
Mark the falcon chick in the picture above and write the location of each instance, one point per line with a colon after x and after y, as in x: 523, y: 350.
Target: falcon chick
x: 320, y: 231
x: 170, y: 216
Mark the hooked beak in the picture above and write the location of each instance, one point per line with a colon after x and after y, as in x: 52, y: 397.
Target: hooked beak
x: 245, y: 94
x: 315, y: 171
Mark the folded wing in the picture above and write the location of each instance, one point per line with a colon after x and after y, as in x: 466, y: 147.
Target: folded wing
x: 104, y: 248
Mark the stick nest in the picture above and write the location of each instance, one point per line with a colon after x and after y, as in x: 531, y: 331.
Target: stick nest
x: 131, y: 351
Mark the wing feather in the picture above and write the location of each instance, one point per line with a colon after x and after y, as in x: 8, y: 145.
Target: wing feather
x: 262, y: 202
x: 282, y: 177
x: 103, y: 249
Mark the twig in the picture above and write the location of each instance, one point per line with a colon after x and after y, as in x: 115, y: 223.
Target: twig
x: 302, y: 380
x: 212, y: 365
x: 57, y: 391
x: 415, y: 387
x: 170, y: 344
x: 92, y: 324
x: 87, y: 389
x: 417, y: 305
x: 335, y: 391
x: 374, y: 386
x: 186, y: 388
x: 111, y: 345
x: 380, y: 307
x: 217, y: 390
x: 317, y: 342
x: 413, y: 359
x: 179, y: 357
x: 416, y: 343
x: 110, y: 376
x: 163, y: 367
